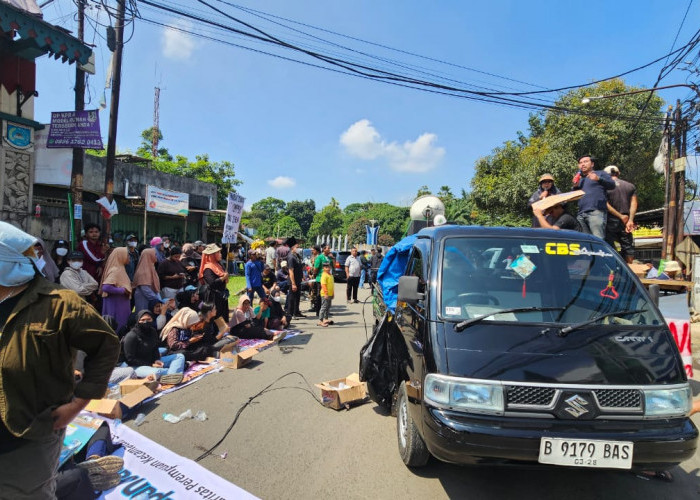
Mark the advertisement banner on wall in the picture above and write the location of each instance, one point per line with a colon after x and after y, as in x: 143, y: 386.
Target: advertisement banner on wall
x: 75, y: 129
x: 234, y: 209
x: 53, y: 166
x: 167, y: 202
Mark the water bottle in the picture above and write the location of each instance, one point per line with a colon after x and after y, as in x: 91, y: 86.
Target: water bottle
x: 169, y: 417
x: 140, y: 418
x: 201, y: 416
x: 186, y: 414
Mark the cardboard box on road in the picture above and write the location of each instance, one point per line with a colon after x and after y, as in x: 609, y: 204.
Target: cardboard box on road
x: 130, y: 385
x: 117, y: 408
x: 229, y: 358
x: 343, y: 392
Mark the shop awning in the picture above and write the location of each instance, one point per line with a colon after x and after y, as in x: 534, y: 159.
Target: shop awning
x: 37, y: 37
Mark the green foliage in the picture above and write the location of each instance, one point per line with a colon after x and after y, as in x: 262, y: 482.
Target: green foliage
x: 504, y: 180
x: 422, y: 191
x: 356, y: 231
x: 328, y: 221
x: 145, y: 150
x: 288, y: 226
x: 303, y: 212
x: 385, y: 240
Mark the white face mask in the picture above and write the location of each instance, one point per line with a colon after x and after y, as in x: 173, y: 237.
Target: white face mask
x: 276, y: 298
x: 76, y: 264
x: 166, y: 245
x: 62, y: 251
x: 133, y: 244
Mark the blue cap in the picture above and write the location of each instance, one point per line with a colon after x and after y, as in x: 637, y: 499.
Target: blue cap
x: 190, y: 288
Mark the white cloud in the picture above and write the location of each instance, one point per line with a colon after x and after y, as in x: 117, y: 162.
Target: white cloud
x: 176, y: 44
x: 362, y: 140
x: 282, y: 182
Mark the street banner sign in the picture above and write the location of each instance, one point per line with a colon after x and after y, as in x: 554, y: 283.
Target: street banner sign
x: 167, y: 202
x: 75, y: 129
x: 234, y: 209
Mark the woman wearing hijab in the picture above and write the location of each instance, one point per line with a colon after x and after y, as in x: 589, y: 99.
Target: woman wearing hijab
x: 146, y: 283
x: 215, y: 277
x: 115, y: 287
x: 191, y: 260
x: 183, y: 334
x: 45, y: 263
x: 59, y: 254
x: 140, y: 347
x: 242, y: 322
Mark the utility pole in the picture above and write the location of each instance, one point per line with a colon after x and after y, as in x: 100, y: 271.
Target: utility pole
x: 679, y: 139
x: 76, y: 183
x: 114, y: 108
x: 156, y: 123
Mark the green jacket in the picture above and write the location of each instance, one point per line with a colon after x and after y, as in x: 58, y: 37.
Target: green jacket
x: 37, y: 349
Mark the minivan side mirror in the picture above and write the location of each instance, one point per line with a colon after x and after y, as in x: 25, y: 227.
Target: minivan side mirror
x: 408, y: 289
x: 654, y: 293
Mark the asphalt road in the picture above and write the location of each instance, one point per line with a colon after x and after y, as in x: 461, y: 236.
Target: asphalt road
x: 286, y: 445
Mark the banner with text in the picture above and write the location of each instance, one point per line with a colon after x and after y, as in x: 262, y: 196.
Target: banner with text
x: 234, y: 209
x: 167, y: 202
x: 75, y: 129
x: 152, y: 471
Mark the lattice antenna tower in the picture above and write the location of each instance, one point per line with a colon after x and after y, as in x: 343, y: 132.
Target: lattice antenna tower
x: 156, y: 122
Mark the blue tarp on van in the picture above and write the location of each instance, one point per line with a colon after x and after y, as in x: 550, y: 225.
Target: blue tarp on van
x: 392, y: 268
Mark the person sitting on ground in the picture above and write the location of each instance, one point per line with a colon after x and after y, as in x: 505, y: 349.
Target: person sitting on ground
x: 213, y: 335
x: 183, y: 335
x: 269, y: 281
x: 75, y: 278
x: 189, y: 297
x: 140, y: 348
x: 242, y: 324
x: 327, y: 292
x: 146, y: 282
x: 162, y: 312
x: 278, y: 318
x: 282, y: 277
x: 59, y: 254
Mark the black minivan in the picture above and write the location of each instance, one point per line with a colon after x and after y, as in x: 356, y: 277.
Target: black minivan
x: 531, y: 346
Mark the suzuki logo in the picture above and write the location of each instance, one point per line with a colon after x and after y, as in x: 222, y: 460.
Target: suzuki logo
x: 576, y: 405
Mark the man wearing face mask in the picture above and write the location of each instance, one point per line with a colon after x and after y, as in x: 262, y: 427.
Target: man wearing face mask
x: 75, y: 278
x: 131, y: 243
x: 42, y: 326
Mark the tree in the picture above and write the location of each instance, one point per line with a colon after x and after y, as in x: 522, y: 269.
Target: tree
x: 385, y: 240
x: 268, y: 208
x: 145, y: 150
x: 607, y: 128
x: 356, y: 231
x: 328, y: 221
x: 422, y: 191
x: 303, y: 212
x: 288, y: 226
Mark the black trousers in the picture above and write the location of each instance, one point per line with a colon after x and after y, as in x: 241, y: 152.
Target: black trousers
x: 352, y: 286
x: 292, y: 305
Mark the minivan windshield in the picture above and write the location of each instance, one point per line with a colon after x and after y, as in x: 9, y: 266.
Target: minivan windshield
x: 548, y: 280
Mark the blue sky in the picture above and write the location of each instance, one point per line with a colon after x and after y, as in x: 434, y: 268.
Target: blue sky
x: 296, y: 132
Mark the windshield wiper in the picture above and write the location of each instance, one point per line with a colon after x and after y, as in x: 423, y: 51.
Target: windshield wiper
x: 568, y: 329
x: 467, y: 322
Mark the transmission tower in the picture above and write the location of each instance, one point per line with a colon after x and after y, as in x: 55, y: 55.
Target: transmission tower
x: 156, y: 125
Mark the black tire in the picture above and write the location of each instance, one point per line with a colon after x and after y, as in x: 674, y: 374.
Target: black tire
x: 412, y: 448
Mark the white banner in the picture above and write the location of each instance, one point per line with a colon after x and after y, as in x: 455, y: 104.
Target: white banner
x: 167, y: 202
x: 152, y: 471
x: 234, y: 209
x: 53, y: 166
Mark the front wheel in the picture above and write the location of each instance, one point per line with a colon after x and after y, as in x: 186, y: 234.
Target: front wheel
x: 412, y: 448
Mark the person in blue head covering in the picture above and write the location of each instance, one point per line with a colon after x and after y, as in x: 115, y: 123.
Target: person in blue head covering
x: 42, y: 325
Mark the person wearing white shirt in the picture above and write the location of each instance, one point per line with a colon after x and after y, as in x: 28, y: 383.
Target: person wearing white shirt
x: 75, y: 278
x: 353, y: 269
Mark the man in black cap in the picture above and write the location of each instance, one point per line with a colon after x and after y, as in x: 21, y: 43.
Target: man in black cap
x: 131, y: 244
x: 75, y: 278
x: 296, y: 276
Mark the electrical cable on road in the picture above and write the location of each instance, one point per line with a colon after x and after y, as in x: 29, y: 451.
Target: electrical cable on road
x: 253, y: 398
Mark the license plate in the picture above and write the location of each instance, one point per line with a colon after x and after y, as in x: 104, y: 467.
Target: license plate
x: 586, y: 453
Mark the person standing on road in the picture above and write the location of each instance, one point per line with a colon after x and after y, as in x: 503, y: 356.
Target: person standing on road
x: 214, y: 280
x: 546, y: 188
x: 42, y: 326
x: 592, y: 208
x: 353, y: 269
x: 131, y: 244
x: 91, y: 248
x: 253, y: 276
x: 271, y: 255
x: 622, y: 207
x: 296, y: 276
x: 172, y: 274
x: 281, y: 254
x: 327, y: 293
x: 322, y: 258
x: 375, y: 261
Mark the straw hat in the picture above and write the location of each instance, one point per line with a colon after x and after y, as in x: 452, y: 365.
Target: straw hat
x: 546, y: 177
x: 211, y: 248
x: 671, y: 266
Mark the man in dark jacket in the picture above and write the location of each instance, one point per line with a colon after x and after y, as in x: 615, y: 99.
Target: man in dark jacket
x: 593, y: 207
x: 546, y: 188
x: 42, y: 326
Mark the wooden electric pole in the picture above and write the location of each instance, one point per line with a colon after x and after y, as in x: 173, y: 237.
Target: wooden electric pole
x: 114, y: 109
x: 76, y: 182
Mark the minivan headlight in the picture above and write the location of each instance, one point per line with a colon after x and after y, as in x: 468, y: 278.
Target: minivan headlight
x: 667, y: 402
x: 464, y: 394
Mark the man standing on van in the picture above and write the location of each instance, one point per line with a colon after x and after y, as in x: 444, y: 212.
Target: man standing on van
x: 592, y: 208
x: 622, y: 207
